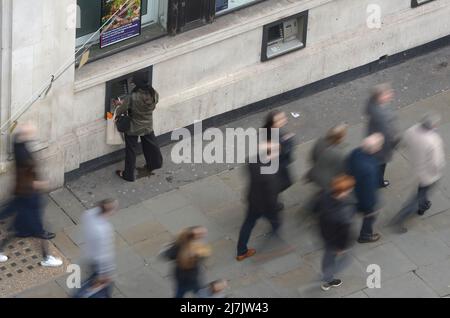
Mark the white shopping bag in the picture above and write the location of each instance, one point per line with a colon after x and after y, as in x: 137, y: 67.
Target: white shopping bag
x: 113, y: 136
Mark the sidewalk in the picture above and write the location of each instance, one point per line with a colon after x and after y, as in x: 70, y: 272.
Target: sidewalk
x: 416, y: 264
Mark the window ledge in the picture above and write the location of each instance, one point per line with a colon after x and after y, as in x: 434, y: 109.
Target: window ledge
x: 166, y: 48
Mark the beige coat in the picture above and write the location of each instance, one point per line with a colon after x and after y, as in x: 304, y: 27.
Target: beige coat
x: 426, y: 154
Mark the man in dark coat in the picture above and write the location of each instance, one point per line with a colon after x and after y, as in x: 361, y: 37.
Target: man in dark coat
x: 382, y: 119
x: 364, y: 167
x: 262, y: 201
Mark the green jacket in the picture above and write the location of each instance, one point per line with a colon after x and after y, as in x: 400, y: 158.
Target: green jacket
x: 140, y: 105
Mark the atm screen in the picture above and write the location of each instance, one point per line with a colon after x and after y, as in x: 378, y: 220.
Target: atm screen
x: 275, y: 33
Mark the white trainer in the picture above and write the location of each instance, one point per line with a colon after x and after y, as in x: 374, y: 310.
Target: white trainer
x: 3, y: 258
x: 51, y: 261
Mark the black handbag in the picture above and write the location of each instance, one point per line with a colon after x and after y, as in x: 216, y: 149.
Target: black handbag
x: 123, y: 123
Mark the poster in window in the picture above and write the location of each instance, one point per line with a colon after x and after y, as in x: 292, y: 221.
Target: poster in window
x: 125, y: 25
x: 221, y: 5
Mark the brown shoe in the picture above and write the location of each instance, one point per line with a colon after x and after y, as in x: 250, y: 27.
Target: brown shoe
x: 250, y: 252
x: 375, y: 237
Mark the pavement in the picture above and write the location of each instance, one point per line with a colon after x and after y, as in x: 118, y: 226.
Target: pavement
x: 154, y: 210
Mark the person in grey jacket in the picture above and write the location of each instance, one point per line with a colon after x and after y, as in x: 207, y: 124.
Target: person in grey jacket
x: 328, y: 157
x: 382, y: 119
x: 140, y: 105
x: 426, y: 155
x: 99, y: 247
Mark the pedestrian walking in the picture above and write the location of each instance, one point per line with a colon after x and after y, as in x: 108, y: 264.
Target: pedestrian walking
x: 278, y: 120
x: 27, y: 204
x: 139, y: 106
x: 426, y: 155
x: 382, y: 119
x: 99, y: 248
x: 263, y: 193
x: 328, y: 161
x: 336, y: 220
x: 188, y: 252
x: 328, y: 157
x: 363, y: 165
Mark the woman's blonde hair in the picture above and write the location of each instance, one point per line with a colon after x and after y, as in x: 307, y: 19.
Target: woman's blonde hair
x: 190, y: 250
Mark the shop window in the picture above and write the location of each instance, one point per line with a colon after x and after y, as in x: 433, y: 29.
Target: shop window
x: 122, y: 86
x: 416, y: 3
x: 226, y: 6
x: 152, y: 15
x: 284, y: 36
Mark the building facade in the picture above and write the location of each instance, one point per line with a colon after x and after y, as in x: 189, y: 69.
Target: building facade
x: 204, y: 57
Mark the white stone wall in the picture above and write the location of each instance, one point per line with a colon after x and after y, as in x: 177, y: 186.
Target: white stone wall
x: 203, y: 72
x: 41, y: 41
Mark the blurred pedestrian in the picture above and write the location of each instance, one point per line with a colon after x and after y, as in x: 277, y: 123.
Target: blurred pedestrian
x: 336, y: 220
x: 27, y: 205
x: 328, y: 157
x: 426, y: 154
x: 140, y: 105
x: 263, y: 193
x: 99, y: 248
x: 328, y: 161
x: 278, y: 120
x: 382, y: 119
x: 188, y: 252
x: 363, y: 165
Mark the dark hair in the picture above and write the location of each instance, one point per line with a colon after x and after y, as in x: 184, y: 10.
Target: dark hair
x: 106, y: 202
x: 269, y: 122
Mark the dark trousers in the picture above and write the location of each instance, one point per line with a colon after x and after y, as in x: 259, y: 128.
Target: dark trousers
x: 382, y: 172
x: 367, y: 227
x: 150, y: 148
x: 418, y: 202
x: 332, y: 263
x: 249, y: 224
x: 11, y: 208
x: 184, y: 287
x: 28, y: 220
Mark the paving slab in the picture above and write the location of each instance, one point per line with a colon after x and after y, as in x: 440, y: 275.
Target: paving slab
x: 391, y: 260
x: 422, y: 249
x: 143, y: 283
x: 141, y: 232
x: 405, y: 286
x: 177, y: 220
x: 48, y: 290
x: 209, y: 193
x: 437, y: 276
x: 69, y: 203
x: 55, y: 219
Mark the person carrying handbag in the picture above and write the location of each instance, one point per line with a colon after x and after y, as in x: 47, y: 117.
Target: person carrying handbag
x: 137, y: 109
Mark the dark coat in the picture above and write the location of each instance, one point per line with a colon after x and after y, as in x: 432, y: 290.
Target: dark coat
x: 365, y: 169
x: 329, y: 163
x: 140, y: 104
x: 335, y: 221
x: 382, y: 119
x: 25, y: 169
x: 263, y: 190
x: 286, y: 158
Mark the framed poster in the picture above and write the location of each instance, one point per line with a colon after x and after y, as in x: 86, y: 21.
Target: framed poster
x: 126, y: 24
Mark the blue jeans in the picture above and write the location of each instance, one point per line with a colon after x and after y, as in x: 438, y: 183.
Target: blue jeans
x: 418, y: 202
x: 367, y: 226
x: 183, y: 288
x: 332, y: 264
